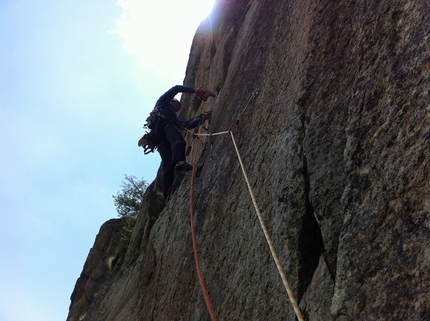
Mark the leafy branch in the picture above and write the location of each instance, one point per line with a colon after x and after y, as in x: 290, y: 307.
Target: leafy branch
x: 128, y: 202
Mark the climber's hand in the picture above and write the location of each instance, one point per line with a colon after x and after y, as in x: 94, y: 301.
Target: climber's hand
x: 203, y: 94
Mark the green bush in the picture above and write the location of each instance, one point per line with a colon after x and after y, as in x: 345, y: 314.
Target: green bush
x: 128, y: 202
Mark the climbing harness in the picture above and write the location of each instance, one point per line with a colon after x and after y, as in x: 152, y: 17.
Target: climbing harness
x: 147, y: 140
x: 231, y: 131
x: 151, y: 121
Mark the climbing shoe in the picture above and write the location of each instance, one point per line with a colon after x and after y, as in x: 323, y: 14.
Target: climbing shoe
x: 182, y: 166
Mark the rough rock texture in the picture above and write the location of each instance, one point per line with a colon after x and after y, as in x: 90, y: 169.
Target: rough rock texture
x: 97, y: 269
x: 333, y: 102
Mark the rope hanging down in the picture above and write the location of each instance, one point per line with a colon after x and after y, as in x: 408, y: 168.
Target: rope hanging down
x: 193, y: 236
x: 231, y: 131
x: 269, y: 241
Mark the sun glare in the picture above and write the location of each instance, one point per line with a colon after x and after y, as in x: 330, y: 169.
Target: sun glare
x: 159, y: 33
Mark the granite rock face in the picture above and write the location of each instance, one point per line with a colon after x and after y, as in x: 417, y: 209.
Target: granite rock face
x: 332, y: 99
x: 97, y: 269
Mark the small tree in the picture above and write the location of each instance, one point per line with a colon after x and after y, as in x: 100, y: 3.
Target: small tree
x: 128, y: 202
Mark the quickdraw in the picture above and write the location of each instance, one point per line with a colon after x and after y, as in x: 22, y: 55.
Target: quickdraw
x: 146, y: 143
x: 234, y: 127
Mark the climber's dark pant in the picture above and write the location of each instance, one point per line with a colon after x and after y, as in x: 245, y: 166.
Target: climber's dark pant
x: 172, y: 150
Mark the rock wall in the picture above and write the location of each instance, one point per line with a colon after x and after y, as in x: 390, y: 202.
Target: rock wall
x: 332, y: 99
x: 97, y: 270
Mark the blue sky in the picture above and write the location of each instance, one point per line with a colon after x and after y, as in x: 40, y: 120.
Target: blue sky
x: 77, y: 80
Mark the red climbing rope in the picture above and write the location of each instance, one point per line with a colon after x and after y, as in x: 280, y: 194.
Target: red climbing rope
x: 232, y: 130
x: 193, y: 235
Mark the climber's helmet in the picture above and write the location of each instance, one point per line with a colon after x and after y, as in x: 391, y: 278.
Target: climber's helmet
x: 175, y: 104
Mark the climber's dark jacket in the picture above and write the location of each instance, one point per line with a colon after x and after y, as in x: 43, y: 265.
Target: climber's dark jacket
x: 167, y: 136
x: 164, y: 107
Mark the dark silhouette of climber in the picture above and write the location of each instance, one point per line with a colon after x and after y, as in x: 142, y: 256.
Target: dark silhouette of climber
x: 166, y: 134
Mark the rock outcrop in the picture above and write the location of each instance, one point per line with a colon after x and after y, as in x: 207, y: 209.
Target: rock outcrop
x: 97, y: 270
x: 333, y: 104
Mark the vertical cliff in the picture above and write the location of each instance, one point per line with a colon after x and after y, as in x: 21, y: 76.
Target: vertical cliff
x: 332, y: 99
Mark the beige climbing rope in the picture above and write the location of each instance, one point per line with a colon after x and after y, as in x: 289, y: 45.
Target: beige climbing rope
x: 231, y: 131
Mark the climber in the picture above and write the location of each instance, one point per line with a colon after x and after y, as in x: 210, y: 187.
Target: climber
x: 166, y: 133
